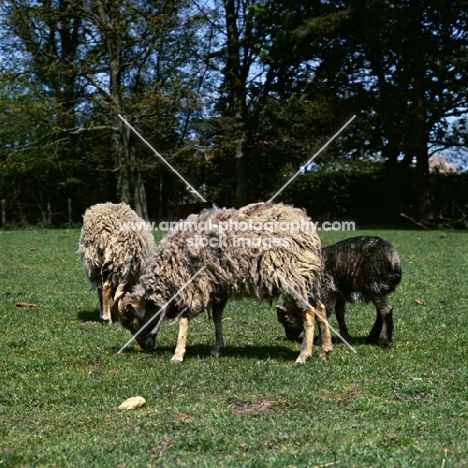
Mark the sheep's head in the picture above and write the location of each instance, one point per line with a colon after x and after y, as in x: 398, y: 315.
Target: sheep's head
x: 291, y: 322
x: 139, y: 316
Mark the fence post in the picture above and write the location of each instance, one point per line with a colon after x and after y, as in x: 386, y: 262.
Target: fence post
x: 69, y: 211
x: 49, y: 214
x: 3, y: 213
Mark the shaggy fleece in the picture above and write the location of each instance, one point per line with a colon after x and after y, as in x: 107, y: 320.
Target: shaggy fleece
x: 360, y: 269
x: 108, y: 251
x: 276, y: 256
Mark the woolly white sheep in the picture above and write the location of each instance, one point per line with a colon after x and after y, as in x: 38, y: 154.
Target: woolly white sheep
x: 262, y: 251
x: 359, y: 269
x: 112, y: 254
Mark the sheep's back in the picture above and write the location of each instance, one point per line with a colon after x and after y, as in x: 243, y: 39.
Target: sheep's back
x: 361, y: 268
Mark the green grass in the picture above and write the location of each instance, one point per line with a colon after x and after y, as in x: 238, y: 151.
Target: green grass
x: 62, y: 379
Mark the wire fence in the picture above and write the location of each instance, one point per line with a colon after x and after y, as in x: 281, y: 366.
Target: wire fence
x: 46, y: 214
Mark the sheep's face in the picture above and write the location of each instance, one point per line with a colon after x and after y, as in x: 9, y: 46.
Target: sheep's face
x: 135, y: 314
x: 292, y: 323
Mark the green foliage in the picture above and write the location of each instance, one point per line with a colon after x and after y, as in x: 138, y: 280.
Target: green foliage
x: 61, y: 93
x: 232, y: 108
x: 400, y: 67
x: 62, y: 379
x: 370, y: 193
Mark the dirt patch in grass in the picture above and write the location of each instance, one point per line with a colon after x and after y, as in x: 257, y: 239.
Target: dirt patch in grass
x: 242, y: 408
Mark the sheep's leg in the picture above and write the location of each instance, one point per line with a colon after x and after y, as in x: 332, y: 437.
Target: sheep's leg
x: 326, y: 344
x: 340, y: 308
x: 181, y: 341
x: 383, y: 326
x: 386, y: 311
x: 329, y: 303
x: 99, y: 291
x: 374, y: 334
x: 308, y: 339
x: 106, y: 294
x: 217, y: 311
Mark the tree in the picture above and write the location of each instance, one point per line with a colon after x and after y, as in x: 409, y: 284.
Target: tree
x: 95, y: 60
x: 400, y: 66
x: 257, y: 130
x: 232, y: 59
x: 39, y: 98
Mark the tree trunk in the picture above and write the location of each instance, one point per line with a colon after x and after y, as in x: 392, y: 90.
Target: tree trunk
x: 69, y: 30
x: 391, y: 181
x: 119, y: 147
x: 163, y: 199
x: 418, y: 140
x: 235, y: 80
x: 242, y: 174
x: 419, y: 145
x: 423, y: 187
x: 130, y: 186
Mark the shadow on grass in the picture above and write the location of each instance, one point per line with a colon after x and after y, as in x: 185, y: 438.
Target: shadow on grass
x: 198, y: 351
x: 275, y: 352
x: 89, y: 315
x: 355, y: 340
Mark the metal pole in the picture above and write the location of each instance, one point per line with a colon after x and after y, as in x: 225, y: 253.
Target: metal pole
x: 69, y: 211
x: 3, y: 213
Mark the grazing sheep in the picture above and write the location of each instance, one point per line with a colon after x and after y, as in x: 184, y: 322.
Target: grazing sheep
x: 359, y: 269
x: 113, y: 255
x: 262, y: 251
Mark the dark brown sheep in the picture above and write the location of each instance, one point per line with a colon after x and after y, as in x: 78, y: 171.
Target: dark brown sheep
x: 359, y: 269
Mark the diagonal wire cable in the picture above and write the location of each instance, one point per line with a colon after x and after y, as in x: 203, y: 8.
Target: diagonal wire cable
x: 311, y: 159
x: 160, y: 157
x: 298, y: 296
x: 163, y: 308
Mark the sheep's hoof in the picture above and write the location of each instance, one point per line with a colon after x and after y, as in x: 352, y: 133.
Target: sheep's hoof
x: 215, y: 353
x: 178, y: 360
x: 106, y: 322
x: 372, y: 340
x: 302, y: 359
x: 323, y: 355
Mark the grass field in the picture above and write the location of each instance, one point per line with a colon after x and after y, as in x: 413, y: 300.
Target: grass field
x: 62, y: 379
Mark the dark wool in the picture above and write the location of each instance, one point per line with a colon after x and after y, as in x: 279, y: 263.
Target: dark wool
x: 359, y: 269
